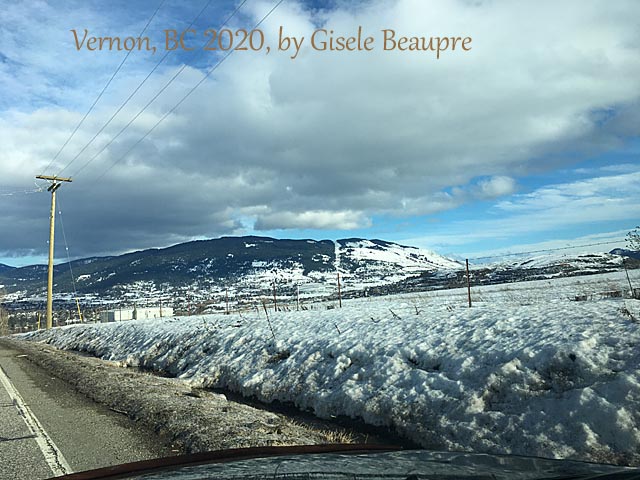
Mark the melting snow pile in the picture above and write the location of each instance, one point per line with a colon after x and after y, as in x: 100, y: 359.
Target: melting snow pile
x: 553, y: 378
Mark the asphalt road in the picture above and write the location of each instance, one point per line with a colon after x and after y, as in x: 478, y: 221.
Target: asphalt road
x: 47, y: 429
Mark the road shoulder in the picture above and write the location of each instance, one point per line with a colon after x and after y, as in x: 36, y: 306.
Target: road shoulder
x: 193, y: 420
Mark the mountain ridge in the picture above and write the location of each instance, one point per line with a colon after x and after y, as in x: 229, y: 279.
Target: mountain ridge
x: 233, y: 258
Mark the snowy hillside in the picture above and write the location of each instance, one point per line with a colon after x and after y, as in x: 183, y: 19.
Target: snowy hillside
x: 585, y: 262
x: 242, y: 265
x: 527, y: 370
x: 366, y: 263
x: 361, y: 264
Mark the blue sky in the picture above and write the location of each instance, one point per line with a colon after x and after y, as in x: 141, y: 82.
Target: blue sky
x: 528, y: 140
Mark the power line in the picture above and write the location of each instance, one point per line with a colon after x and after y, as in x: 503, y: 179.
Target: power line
x: 153, y: 99
x: 184, y: 97
x: 548, y: 250
x: 23, y: 191
x: 102, y: 91
x: 66, y: 246
x: 135, y: 91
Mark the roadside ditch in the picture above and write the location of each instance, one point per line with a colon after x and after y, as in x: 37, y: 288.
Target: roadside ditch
x: 195, y: 420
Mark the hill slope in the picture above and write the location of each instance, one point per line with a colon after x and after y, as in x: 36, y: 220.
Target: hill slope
x: 248, y: 262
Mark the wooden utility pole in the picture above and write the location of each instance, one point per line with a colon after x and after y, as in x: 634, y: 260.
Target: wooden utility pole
x: 79, y: 311
x: 339, y: 291
x: 55, y: 184
x: 468, y: 284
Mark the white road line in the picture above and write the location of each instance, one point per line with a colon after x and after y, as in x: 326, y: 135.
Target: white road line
x: 52, y: 455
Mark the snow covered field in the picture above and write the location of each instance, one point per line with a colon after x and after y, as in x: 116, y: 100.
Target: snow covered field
x: 527, y: 370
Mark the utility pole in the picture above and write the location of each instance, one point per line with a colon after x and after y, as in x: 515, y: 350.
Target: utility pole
x: 55, y: 184
x: 468, y: 283
x: 79, y: 311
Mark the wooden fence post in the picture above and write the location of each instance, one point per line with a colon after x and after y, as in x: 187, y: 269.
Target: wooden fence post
x: 275, y: 298
x: 624, y: 264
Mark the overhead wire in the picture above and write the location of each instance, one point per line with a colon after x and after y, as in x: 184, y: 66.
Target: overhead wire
x: 175, y: 106
x: 66, y: 246
x: 119, y: 109
x: 23, y: 191
x: 545, y: 250
x: 166, y: 85
x: 102, y: 91
x: 211, y: 70
x: 13, y: 189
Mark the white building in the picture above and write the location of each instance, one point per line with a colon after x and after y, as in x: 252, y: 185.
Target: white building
x: 117, y: 315
x: 152, y: 312
x: 124, y: 314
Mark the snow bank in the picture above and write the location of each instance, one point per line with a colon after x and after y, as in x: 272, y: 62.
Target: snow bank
x: 556, y: 379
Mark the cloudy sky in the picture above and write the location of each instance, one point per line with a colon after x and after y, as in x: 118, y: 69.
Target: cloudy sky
x: 530, y: 139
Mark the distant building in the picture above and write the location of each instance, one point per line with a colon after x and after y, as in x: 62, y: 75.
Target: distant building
x: 124, y: 314
x: 152, y: 312
x: 117, y: 315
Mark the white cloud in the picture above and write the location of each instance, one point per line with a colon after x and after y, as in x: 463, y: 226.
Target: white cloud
x: 554, y: 208
x: 315, y: 219
x: 497, y: 186
x: 596, y: 191
x: 346, y: 135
